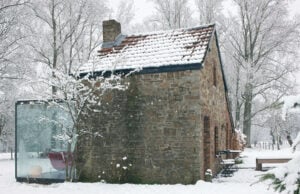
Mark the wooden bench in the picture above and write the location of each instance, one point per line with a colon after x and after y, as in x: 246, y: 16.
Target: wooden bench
x: 260, y: 161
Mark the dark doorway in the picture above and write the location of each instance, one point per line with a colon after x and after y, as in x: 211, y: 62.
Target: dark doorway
x: 206, y: 143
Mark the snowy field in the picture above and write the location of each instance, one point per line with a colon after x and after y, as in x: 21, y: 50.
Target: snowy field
x: 241, y: 182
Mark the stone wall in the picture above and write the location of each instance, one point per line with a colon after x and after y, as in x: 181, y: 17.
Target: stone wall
x: 214, y: 107
x: 154, y: 131
x: 154, y: 124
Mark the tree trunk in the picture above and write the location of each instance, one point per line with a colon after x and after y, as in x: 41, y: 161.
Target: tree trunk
x: 289, y: 139
x: 55, y: 53
x: 273, y: 138
x: 237, y: 114
x: 68, y: 168
x: 278, y: 142
x: 237, y: 99
x: 247, y: 113
x: 11, y: 154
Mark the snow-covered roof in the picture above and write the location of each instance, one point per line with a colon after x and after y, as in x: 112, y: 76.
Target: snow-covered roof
x: 156, y: 49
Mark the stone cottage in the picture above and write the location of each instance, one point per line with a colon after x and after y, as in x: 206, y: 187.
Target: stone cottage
x: 171, y: 121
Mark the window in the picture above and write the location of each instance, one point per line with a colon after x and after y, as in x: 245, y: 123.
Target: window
x: 216, y: 140
x: 206, y: 143
x: 228, y: 145
x: 206, y: 124
x: 215, y: 75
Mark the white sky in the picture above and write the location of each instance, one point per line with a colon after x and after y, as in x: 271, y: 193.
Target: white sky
x: 295, y: 7
x: 145, y: 8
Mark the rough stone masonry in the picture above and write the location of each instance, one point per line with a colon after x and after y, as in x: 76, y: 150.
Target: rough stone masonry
x: 166, y: 128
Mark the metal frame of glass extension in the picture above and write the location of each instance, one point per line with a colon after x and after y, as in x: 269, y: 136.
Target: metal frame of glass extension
x: 38, y: 153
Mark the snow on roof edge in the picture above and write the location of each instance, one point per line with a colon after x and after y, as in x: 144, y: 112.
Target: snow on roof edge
x: 171, y: 30
x: 191, y: 46
x: 150, y: 69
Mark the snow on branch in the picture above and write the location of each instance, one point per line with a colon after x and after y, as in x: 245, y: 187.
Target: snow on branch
x: 290, y: 104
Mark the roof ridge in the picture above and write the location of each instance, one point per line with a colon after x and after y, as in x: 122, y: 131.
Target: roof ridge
x: 172, y: 30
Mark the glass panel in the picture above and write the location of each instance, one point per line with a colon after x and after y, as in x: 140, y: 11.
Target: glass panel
x: 40, y: 140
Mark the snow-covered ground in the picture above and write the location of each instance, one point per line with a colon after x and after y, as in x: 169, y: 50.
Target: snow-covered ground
x: 241, y: 182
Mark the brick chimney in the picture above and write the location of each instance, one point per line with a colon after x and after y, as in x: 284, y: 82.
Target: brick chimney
x: 111, y: 29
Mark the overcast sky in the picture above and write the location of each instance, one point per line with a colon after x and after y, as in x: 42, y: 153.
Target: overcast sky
x: 144, y: 8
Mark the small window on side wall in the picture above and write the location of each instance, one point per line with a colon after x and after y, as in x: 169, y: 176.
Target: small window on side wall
x: 215, y: 75
x: 216, y: 140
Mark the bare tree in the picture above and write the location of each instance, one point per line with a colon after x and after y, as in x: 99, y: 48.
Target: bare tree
x: 12, y: 66
x: 2, y: 123
x: 208, y: 10
x: 262, y: 40
x: 79, y: 98
x: 10, y: 37
x: 67, y: 34
x: 171, y: 14
x: 125, y: 14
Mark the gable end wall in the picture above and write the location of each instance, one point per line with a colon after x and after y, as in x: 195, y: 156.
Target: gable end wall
x: 214, y: 106
x: 154, y: 124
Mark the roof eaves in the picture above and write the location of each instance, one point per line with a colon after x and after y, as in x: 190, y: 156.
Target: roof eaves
x: 225, y: 82
x: 146, y: 70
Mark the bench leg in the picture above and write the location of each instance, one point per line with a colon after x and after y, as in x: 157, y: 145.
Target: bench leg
x: 259, y: 166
